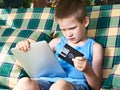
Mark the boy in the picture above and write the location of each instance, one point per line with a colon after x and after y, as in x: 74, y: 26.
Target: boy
x: 87, y: 71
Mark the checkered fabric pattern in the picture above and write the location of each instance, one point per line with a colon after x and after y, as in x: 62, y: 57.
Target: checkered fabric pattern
x: 36, y: 19
x: 10, y: 70
x: 104, y: 28
x: 113, y: 81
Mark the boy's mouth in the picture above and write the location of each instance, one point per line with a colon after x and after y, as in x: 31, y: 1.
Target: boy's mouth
x: 70, y: 39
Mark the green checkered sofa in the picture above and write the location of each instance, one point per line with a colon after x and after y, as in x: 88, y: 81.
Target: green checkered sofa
x: 38, y: 24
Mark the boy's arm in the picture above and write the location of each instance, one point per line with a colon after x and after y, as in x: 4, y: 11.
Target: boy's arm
x: 94, y: 73
x: 53, y: 43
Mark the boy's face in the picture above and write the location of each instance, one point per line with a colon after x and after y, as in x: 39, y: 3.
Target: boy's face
x: 73, y: 30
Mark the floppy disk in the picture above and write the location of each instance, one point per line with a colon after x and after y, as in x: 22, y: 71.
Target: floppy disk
x: 68, y: 53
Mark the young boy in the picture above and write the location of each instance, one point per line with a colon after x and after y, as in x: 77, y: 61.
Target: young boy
x: 87, y: 71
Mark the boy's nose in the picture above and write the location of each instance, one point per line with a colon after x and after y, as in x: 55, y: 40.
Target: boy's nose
x: 69, y: 34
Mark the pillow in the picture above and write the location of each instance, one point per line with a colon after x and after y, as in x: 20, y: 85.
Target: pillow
x: 10, y: 70
x: 113, y: 81
x: 27, y: 18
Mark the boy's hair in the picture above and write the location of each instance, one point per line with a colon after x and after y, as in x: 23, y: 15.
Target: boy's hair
x: 66, y: 8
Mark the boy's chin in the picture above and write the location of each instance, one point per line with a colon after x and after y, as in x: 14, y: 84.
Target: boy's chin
x: 73, y: 41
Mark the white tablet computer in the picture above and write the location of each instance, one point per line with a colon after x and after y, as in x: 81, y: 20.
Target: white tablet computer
x: 39, y: 61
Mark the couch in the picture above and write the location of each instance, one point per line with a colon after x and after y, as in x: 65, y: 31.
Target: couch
x: 38, y: 24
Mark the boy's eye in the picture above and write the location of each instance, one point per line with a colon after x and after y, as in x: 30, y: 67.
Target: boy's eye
x: 63, y: 29
x: 72, y: 28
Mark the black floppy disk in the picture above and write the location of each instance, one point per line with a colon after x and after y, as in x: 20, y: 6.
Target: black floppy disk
x: 68, y: 53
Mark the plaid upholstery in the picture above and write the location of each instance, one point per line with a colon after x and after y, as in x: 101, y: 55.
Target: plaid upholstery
x: 40, y: 19
x: 10, y: 70
x: 104, y: 28
x: 113, y: 81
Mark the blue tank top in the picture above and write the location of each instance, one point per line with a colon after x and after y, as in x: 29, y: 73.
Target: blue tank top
x: 74, y: 75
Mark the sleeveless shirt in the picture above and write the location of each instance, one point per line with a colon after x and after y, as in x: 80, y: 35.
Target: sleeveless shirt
x: 73, y: 75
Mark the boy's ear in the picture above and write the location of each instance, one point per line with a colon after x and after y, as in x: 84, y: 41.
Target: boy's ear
x: 86, y: 21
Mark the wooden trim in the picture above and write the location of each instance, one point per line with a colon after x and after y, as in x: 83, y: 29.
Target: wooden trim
x: 39, y: 3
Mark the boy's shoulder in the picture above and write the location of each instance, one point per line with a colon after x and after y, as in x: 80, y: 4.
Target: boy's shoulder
x: 96, y: 45
x: 53, y: 43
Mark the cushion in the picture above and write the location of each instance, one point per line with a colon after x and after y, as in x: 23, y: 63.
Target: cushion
x: 10, y: 70
x: 32, y: 18
x: 113, y: 81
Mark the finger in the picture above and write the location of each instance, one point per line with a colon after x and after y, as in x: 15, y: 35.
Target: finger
x: 27, y: 44
x: 24, y: 45
x: 77, y: 62
x: 21, y: 46
x: 79, y: 58
x: 18, y: 45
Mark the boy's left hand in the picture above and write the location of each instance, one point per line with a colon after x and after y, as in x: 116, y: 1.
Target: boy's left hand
x: 81, y: 63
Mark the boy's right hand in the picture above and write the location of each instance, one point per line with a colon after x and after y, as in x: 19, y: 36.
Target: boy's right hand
x: 23, y: 45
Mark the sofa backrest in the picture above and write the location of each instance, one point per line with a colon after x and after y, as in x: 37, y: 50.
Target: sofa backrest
x: 104, y: 27
x: 34, y: 19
